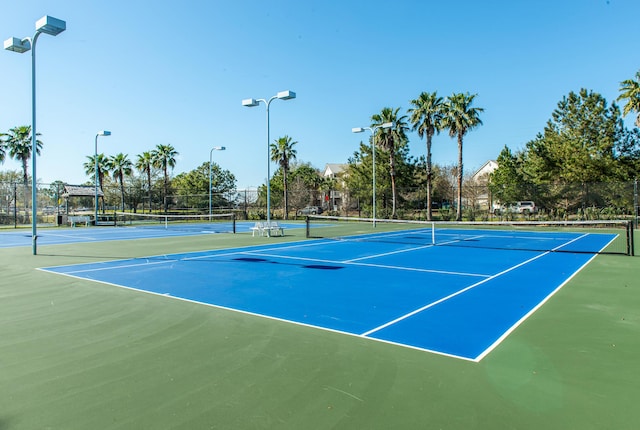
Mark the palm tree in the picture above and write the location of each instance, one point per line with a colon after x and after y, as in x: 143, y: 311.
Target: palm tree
x: 389, y: 140
x: 144, y: 164
x: 164, y: 156
x: 426, y: 117
x: 104, y: 166
x: 459, y: 117
x: 121, y: 166
x: 282, y: 152
x: 18, y: 142
x: 630, y: 91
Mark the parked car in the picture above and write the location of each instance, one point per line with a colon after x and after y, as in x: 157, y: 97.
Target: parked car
x: 310, y: 210
x: 525, y: 207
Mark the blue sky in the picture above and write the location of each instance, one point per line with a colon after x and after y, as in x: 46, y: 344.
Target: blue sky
x: 168, y: 72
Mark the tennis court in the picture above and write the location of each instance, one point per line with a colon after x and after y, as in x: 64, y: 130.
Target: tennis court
x: 293, y: 342
x: 458, y: 297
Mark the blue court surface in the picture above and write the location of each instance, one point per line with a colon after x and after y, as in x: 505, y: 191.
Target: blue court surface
x: 459, y: 301
x: 61, y: 236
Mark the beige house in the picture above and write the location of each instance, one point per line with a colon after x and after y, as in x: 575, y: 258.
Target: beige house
x: 482, y: 174
x: 480, y: 180
x: 335, y: 199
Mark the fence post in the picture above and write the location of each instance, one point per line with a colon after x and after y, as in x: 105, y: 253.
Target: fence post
x: 15, y: 205
x: 635, y: 201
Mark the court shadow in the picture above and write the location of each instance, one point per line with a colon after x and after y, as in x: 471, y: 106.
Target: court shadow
x: 322, y: 267
x: 305, y: 266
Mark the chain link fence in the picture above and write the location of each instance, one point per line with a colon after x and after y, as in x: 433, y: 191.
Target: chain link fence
x: 589, y: 201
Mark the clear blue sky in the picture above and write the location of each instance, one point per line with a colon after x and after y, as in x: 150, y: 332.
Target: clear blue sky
x: 168, y: 72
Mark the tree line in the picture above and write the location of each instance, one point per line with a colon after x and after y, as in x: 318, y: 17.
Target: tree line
x: 585, y: 141
x: 121, y: 169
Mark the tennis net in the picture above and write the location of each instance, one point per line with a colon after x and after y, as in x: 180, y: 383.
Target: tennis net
x: 215, y: 223
x: 611, y: 237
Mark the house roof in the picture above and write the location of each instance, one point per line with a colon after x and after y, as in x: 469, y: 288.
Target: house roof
x: 486, y: 168
x: 81, y: 191
x: 334, y: 169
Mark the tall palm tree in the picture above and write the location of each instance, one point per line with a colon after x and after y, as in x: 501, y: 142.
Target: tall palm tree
x: 164, y: 157
x: 389, y: 140
x: 144, y: 164
x: 426, y: 117
x: 630, y: 91
x: 104, y: 166
x: 18, y: 142
x: 459, y: 117
x: 282, y: 152
x: 121, y: 166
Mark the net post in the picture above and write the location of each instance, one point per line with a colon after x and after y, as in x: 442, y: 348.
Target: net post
x: 306, y: 221
x: 233, y: 220
x: 433, y: 233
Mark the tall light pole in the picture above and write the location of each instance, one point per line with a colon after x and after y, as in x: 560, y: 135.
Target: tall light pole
x: 95, y: 170
x: 373, y: 151
x: 53, y: 27
x: 282, y: 95
x: 215, y: 148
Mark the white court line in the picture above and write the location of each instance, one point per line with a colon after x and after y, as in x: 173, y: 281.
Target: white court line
x: 68, y: 236
x: 123, y: 266
x: 408, y: 249
x: 209, y: 254
x: 457, y: 293
x: 381, y: 266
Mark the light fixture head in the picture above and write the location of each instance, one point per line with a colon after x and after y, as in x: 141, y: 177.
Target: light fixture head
x: 357, y: 130
x: 286, y: 95
x: 17, y: 45
x: 219, y: 148
x: 386, y: 125
x: 250, y: 102
x: 104, y: 133
x: 50, y: 25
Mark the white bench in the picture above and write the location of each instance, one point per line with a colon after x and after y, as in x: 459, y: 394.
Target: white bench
x: 273, y: 229
x: 75, y: 219
x: 257, y: 228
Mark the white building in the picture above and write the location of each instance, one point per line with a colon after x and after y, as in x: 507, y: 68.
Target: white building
x: 482, y: 174
x: 334, y: 199
x: 481, y: 181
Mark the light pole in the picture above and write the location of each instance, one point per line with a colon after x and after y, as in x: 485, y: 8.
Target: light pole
x: 373, y: 151
x: 53, y: 27
x: 95, y: 171
x: 215, y: 148
x: 282, y: 95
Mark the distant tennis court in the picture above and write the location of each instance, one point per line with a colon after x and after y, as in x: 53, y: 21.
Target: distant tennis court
x: 458, y: 297
x: 128, y: 230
